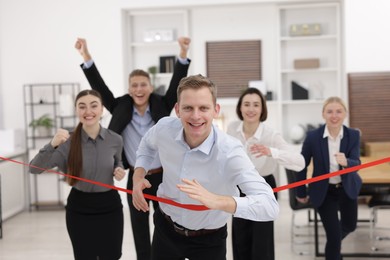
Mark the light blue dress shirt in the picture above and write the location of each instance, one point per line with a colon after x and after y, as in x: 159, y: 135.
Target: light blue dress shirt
x: 133, y: 134
x: 219, y: 164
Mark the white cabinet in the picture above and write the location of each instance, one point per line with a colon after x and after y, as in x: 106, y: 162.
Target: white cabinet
x: 151, y: 34
x: 307, y: 32
x: 12, y: 185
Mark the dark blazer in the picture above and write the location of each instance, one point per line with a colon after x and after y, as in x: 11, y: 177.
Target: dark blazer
x: 121, y: 108
x: 316, y: 147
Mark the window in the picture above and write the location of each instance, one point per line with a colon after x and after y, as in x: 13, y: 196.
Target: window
x: 232, y: 64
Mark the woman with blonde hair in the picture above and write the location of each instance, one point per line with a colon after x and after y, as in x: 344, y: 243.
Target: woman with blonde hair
x: 333, y: 147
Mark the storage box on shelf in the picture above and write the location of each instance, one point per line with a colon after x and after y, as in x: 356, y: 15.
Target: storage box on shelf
x: 309, y: 61
x: 50, y: 104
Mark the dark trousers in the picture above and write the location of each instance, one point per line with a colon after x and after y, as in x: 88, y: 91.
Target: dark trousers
x: 169, y: 245
x: 140, y: 219
x: 254, y: 240
x: 336, y: 228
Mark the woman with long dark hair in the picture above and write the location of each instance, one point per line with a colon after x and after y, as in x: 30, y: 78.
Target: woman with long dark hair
x: 94, y: 215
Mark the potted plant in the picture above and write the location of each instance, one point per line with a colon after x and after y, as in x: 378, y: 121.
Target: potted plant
x: 43, y: 124
x: 153, y: 72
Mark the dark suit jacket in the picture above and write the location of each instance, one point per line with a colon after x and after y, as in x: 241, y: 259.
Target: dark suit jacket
x: 316, y: 147
x: 121, y: 108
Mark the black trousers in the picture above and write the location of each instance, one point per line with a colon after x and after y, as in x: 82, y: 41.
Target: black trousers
x: 140, y: 219
x: 169, y: 245
x: 337, y: 228
x: 254, y: 240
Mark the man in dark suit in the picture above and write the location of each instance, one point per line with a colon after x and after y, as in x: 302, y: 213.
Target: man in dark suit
x: 132, y: 115
x: 332, y: 147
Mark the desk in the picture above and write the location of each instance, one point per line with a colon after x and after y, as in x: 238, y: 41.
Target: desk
x: 378, y: 175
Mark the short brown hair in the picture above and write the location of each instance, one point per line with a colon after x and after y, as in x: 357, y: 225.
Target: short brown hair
x: 138, y: 72
x: 197, y: 82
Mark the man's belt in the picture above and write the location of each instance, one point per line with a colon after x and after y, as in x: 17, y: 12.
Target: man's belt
x: 187, y: 232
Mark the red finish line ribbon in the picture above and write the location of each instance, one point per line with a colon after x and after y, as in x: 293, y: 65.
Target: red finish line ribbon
x: 202, y: 207
x: 155, y: 198
x: 332, y: 174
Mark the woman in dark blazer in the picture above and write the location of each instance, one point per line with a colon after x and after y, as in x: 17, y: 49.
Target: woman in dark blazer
x: 332, y: 147
x: 132, y: 115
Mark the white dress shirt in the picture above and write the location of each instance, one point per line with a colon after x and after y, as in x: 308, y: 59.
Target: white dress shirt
x: 333, y: 147
x: 219, y: 164
x: 282, y: 153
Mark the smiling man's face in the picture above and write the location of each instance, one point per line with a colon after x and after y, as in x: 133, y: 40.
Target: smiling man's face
x: 196, y: 110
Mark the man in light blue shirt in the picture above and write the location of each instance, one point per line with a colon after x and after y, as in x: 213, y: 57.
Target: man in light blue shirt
x: 203, y: 166
x: 132, y: 115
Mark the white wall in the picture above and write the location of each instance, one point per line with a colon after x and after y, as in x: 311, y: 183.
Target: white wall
x: 37, y: 37
x: 37, y: 45
x: 1, y: 94
x: 367, y: 35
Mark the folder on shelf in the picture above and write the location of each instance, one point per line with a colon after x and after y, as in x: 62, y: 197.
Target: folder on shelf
x: 298, y: 91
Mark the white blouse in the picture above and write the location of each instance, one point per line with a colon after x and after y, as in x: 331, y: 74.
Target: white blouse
x: 282, y: 153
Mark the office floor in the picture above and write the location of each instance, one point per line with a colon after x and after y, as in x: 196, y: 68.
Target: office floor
x: 42, y: 235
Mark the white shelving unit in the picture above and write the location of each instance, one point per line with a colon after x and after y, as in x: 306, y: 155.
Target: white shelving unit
x: 151, y: 34
x: 321, y: 82
x: 327, y: 80
x: 39, y: 99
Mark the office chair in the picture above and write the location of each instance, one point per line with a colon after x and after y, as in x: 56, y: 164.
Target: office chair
x: 297, y: 206
x: 377, y: 202
x: 370, y: 190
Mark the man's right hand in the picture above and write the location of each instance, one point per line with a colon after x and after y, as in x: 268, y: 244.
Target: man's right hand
x: 139, y: 184
x: 81, y: 46
x: 184, y: 43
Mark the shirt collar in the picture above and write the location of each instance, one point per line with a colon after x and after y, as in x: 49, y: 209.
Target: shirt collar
x: 102, y: 134
x: 256, y: 135
x: 135, y: 110
x: 204, y: 147
x: 327, y: 134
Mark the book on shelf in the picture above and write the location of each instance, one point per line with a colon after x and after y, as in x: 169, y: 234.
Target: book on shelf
x: 167, y: 64
x: 299, y: 91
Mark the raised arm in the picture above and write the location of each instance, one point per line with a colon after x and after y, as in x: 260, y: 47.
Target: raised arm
x: 49, y: 156
x: 81, y: 46
x: 180, y: 71
x: 93, y: 76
